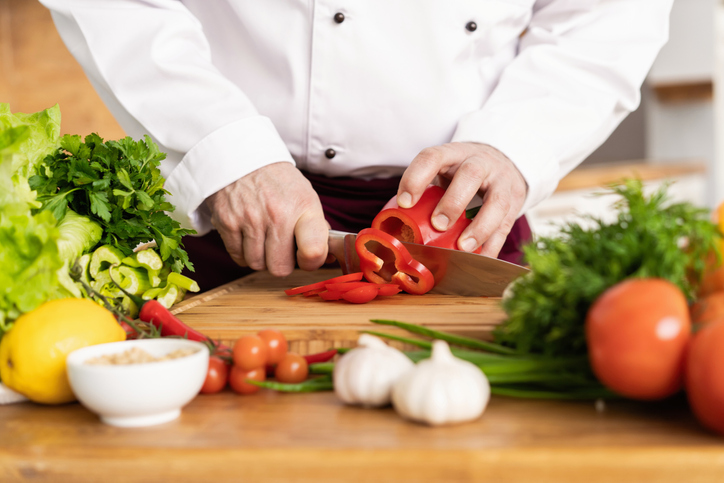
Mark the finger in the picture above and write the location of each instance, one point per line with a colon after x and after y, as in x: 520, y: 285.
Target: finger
x: 423, y: 169
x: 494, y: 215
x: 311, y: 233
x: 252, y: 242
x: 492, y: 247
x: 232, y: 242
x: 279, y: 251
x: 465, y: 184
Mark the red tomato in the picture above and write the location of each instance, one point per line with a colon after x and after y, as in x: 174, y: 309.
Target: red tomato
x: 708, y: 308
x: 637, y: 333
x: 216, y: 377
x: 361, y: 295
x: 704, y: 375
x: 238, y: 377
x: 276, y: 345
x: 292, y: 369
x: 249, y: 352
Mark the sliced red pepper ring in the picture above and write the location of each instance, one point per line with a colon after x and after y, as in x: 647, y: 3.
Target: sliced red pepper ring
x: 415, y: 224
x: 389, y: 289
x: 361, y: 295
x: 314, y: 292
x: 350, y: 277
x: 330, y: 295
x: 384, y: 259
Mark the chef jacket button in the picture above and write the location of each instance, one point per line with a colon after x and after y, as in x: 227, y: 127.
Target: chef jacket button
x: 471, y: 26
x: 330, y: 153
x: 339, y: 17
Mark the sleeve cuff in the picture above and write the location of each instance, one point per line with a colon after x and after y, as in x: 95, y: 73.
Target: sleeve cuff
x: 219, y: 159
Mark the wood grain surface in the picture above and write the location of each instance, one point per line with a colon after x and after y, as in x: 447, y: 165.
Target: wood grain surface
x: 274, y: 437
x: 314, y: 325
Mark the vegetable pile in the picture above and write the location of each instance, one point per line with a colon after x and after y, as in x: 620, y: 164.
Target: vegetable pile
x: 632, y: 308
x: 66, y: 203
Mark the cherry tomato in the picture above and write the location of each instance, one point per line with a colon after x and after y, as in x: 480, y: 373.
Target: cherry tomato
x: 704, y: 375
x: 238, y: 377
x: 216, y: 377
x: 130, y: 331
x: 276, y: 345
x: 249, y: 352
x: 361, y: 295
x: 637, y: 333
x: 292, y: 368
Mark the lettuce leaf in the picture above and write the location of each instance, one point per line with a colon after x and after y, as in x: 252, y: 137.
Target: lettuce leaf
x: 29, y: 258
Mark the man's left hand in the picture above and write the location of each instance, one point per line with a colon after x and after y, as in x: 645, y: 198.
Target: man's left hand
x: 468, y: 169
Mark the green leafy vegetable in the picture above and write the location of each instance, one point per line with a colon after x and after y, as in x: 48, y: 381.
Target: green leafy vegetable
x: 119, y: 185
x: 78, y: 235
x: 651, y: 237
x: 29, y: 259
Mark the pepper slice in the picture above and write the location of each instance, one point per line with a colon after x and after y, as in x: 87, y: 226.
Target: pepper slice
x: 350, y: 277
x: 383, y: 260
x: 415, y: 224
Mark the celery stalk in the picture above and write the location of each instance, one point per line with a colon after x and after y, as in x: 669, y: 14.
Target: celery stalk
x: 183, y: 282
x: 103, y: 257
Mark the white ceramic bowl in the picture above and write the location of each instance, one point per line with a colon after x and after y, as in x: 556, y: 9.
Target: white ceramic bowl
x: 138, y: 394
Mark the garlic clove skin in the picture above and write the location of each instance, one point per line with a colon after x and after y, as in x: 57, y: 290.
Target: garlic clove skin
x: 366, y: 374
x: 442, y: 390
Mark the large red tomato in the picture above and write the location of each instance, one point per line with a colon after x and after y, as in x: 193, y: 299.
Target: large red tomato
x: 637, y: 332
x: 705, y: 375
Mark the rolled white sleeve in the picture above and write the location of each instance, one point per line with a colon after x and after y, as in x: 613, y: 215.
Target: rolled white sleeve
x: 151, y: 64
x: 577, y: 75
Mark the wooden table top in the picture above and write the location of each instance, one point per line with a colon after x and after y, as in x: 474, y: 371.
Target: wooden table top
x: 277, y: 437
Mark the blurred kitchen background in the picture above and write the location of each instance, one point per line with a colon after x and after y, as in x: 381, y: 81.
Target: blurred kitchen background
x: 671, y: 137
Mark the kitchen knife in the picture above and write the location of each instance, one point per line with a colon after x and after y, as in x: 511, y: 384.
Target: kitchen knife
x: 456, y: 272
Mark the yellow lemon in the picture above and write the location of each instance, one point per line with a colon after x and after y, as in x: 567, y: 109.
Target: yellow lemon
x: 33, y: 352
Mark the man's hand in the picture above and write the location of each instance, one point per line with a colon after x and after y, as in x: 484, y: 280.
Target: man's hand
x: 468, y: 168
x: 260, y: 215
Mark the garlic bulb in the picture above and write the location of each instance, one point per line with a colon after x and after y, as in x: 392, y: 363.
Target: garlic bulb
x: 365, y: 374
x: 442, y: 389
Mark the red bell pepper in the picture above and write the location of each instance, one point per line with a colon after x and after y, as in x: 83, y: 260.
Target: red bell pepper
x: 415, y: 224
x: 383, y: 259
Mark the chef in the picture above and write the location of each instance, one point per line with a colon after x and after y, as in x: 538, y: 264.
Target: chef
x: 282, y: 118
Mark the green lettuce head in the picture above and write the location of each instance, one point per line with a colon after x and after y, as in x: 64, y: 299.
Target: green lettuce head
x: 29, y: 258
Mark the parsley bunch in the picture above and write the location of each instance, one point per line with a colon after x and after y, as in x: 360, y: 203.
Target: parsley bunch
x: 119, y: 185
x: 649, y: 238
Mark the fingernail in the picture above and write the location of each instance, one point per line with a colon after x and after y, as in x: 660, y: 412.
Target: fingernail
x: 404, y: 200
x: 440, y: 222
x: 468, y: 245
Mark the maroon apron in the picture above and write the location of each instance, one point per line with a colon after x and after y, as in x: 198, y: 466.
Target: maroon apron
x: 349, y: 204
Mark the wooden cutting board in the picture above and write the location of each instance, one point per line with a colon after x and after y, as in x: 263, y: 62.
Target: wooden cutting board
x: 313, y: 325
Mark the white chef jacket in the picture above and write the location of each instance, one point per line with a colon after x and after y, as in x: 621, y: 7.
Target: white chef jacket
x: 228, y: 86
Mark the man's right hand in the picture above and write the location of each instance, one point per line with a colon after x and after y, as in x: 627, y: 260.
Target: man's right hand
x: 260, y: 215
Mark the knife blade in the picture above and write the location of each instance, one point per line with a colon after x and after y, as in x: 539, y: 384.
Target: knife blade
x: 456, y: 272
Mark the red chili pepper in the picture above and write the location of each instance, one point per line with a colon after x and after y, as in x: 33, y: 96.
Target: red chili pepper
x: 321, y: 357
x: 415, y: 224
x: 390, y: 262
x: 153, y: 312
